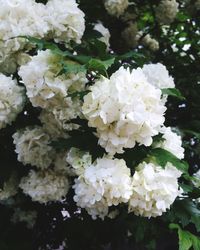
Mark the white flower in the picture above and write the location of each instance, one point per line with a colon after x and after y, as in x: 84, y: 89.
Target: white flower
x: 158, y: 76
x: 130, y: 34
x: 66, y: 20
x: 104, y: 32
x: 78, y: 160
x: 116, y: 7
x: 29, y: 217
x: 172, y: 142
x: 12, y: 99
x: 166, y: 11
x: 104, y: 183
x: 150, y: 43
x: 125, y: 109
x: 10, y: 188
x: 45, y: 186
x: 44, y: 88
x: 154, y: 189
x: 32, y: 147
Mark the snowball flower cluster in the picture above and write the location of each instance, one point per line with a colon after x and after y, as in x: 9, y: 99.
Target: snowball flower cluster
x: 166, y: 11
x: 59, y: 19
x: 45, y: 186
x: 124, y: 109
x: 32, y: 147
x: 154, y: 189
x: 47, y: 90
x: 116, y: 7
x: 104, y: 32
x: 171, y: 142
x: 158, y: 76
x: 44, y: 88
x: 104, y: 183
x: 12, y: 99
x: 150, y: 43
x: 29, y: 217
x: 130, y: 35
x: 65, y: 19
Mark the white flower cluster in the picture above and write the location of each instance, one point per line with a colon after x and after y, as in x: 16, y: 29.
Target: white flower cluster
x: 172, y: 142
x: 104, y: 32
x: 29, y: 217
x: 116, y: 7
x: 47, y: 90
x: 104, y: 183
x: 45, y: 186
x: 60, y: 20
x: 32, y: 147
x: 150, y: 43
x: 166, y: 11
x: 12, y: 99
x: 130, y: 35
x: 10, y: 187
x: 154, y: 189
x: 158, y: 76
x: 65, y: 19
x: 124, y: 109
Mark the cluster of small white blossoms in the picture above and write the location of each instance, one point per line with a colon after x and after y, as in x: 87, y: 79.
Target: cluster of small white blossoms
x: 47, y: 90
x: 116, y: 7
x: 45, y: 186
x: 150, y: 43
x: 127, y: 108
x: 166, y: 11
x: 10, y: 187
x: 104, y: 32
x: 172, y: 142
x: 32, y: 147
x: 104, y: 183
x: 107, y: 182
x: 28, y: 217
x: 12, y: 99
x: 154, y: 189
x: 60, y: 20
x: 130, y: 35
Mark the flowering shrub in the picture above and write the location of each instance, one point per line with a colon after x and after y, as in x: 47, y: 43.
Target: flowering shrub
x: 99, y: 124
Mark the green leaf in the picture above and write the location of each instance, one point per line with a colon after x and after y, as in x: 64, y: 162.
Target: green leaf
x: 163, y: 156
x: 173, y: 92
x: 100, y: 66
x: 186, y: 239
x: 184, y: 212
x: 72, y: 68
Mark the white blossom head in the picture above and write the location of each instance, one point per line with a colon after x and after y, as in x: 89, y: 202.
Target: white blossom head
x: 124, y: 109
x: 166, y: 11
x: 104, y: 183
x: 116, y: 7
x: 154, y: 189
x: 45, y: 186
x: 32, y: 147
